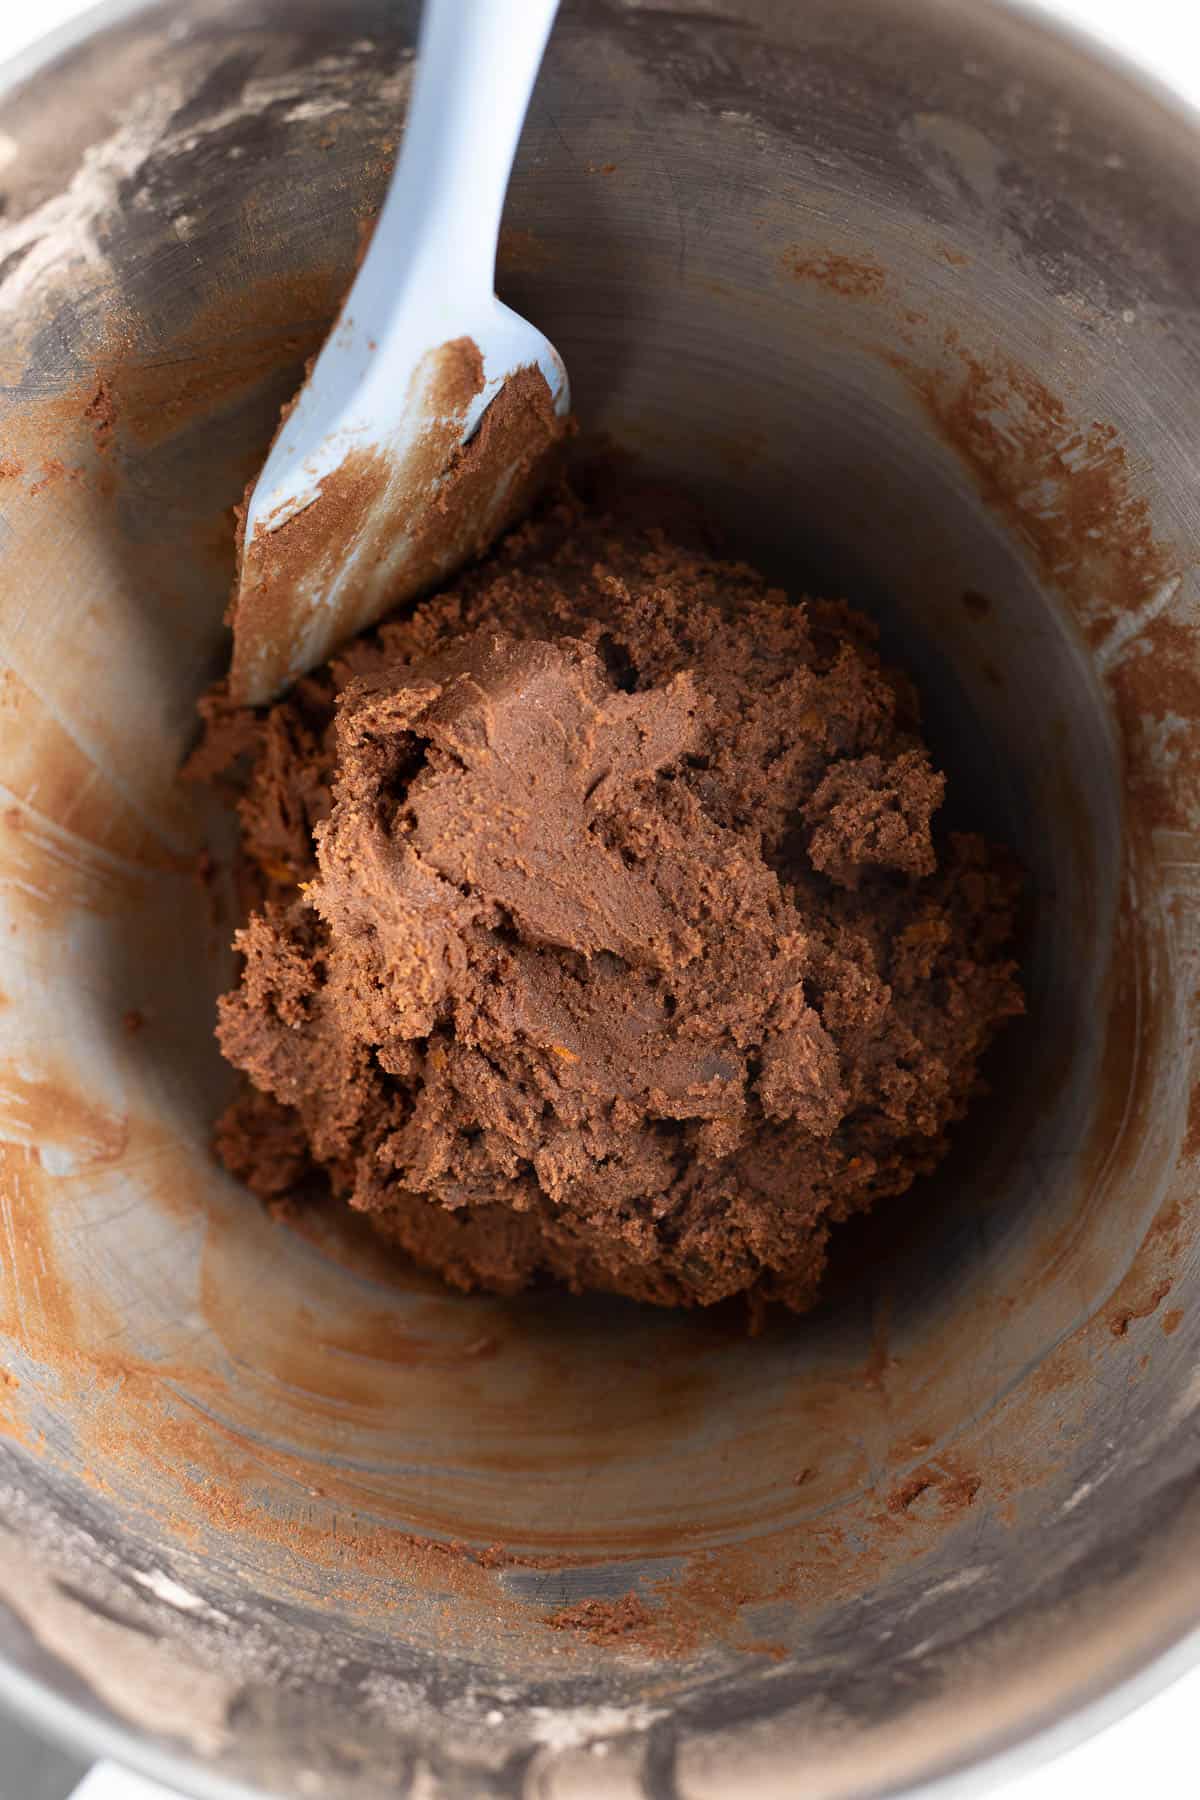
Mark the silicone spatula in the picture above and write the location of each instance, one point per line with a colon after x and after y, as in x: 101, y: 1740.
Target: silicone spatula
x: 427, y: 419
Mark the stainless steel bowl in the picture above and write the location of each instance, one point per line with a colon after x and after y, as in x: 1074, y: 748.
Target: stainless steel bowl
x: 908, y: 294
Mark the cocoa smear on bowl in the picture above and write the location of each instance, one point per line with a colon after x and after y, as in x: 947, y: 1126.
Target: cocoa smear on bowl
x: 604, y: 1621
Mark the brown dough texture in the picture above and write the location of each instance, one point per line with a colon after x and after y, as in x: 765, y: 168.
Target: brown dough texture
x: 598, y: 929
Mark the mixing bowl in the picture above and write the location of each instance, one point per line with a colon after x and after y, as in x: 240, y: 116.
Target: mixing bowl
x: 907, y: 295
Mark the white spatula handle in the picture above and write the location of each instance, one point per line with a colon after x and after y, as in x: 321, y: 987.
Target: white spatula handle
x: 108, y: 1782
x: 477, y: 62
x: 429, y: 274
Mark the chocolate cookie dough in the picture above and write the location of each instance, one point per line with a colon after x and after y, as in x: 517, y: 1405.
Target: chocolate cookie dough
x: 599, y: 927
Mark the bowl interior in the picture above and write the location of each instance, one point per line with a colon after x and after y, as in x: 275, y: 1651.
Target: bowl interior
x: 846, y: 275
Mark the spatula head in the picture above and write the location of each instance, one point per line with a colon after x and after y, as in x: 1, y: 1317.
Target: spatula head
x: 343, y: 527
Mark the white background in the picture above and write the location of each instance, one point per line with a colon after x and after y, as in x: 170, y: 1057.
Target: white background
x: 1155, y: 1745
